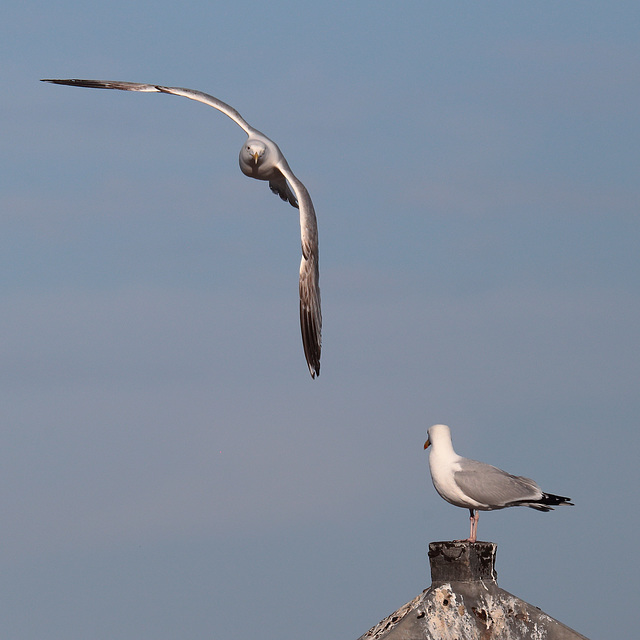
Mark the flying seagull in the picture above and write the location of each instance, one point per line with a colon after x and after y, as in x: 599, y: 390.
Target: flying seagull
x: 261, y: 158
x: 478, y: 486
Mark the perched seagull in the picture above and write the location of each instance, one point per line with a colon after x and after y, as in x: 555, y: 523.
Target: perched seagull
x: 262, y: 159
x: 478, y: 486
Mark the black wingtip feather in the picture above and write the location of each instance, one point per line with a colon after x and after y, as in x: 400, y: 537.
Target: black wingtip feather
x: 310, y: 342
x: 550, y: 499
x: 74, y: 82
x: 546, y: 503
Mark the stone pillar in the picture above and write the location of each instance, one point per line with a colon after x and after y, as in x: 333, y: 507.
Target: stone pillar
x: 462, y: 561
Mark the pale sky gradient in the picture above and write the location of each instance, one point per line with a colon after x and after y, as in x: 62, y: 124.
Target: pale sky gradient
x: 168, y: 468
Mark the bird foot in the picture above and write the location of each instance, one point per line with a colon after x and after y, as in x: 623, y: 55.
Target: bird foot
x: 466, y: 540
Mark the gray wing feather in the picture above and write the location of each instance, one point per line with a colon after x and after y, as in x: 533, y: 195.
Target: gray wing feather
x: 493, y: 487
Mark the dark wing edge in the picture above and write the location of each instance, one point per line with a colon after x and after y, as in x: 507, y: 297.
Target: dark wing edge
x: 310, y: 313
x: 104, y: 84
x: 546, y: 503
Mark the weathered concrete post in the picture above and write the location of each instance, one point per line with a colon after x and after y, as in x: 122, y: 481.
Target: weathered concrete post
x: 464, y: 602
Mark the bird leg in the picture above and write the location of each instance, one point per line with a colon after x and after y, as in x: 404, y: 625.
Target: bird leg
x: 473, y: 517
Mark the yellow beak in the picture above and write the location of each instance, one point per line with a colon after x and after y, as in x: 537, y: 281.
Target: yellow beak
x: 427, y: 443
x: 256, y: 155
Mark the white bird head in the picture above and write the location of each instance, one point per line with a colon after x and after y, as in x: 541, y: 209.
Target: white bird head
x: 437, y: 433
x: 254, y: 151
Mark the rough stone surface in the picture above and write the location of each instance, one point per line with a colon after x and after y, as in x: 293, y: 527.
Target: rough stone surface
x: 462, y: 561
x: 464, y: 602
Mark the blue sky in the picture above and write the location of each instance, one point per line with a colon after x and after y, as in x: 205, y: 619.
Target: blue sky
x: 168, y: 468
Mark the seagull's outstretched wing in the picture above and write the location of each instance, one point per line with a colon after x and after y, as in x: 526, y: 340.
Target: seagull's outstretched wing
x: 310, y: 313
x: 228, y: 110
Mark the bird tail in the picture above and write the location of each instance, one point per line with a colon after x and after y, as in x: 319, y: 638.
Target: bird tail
x: 548, y: 502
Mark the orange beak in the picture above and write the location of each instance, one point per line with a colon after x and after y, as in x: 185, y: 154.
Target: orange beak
x: 427, y: 443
